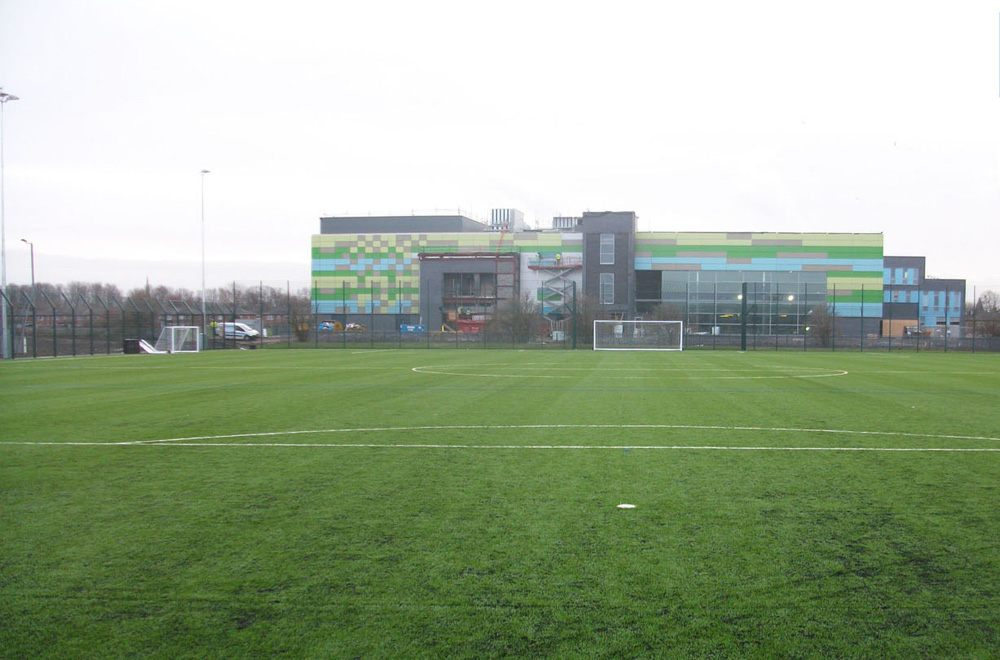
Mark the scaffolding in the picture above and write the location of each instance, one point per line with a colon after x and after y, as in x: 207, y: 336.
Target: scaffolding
x: 557, y: 290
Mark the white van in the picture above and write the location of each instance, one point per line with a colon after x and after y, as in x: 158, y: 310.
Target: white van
x: 235, y: 331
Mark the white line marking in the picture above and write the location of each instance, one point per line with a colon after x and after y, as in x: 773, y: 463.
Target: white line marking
x: 498, y: 427
x: 495, y: 427
x: 440, y: 370
x: 508, y: 447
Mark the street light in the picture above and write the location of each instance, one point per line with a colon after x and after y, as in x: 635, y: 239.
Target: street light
x: 4, y: 338
x: 204, y: 323
x: 32, y: 246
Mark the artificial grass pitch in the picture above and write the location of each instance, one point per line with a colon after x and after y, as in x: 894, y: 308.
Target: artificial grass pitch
x: 464, y: 504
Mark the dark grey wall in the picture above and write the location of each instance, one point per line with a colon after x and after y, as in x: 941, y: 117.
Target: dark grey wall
x: 900, y: 310
x: 398, y: 224
x: 432, y: 272
x: 622, y: 225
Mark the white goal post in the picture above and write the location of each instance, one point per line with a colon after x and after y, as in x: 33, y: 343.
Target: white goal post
x: 179, y: 339
x: 638, y: 335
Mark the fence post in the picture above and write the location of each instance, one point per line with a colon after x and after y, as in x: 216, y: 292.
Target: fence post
x: 803, y: 319
x: 107, y: 324
x: 862, y: 318
x: 890, y: 303
x: 72, y: 330
x: 8, y: 340
x: 34, y: 326
x: 573, y: 317
x: 90, y: 312
x: 121, y: 308
x: 152, y: 321
x: 776, y: 314
x: 833, y: 322
x: 743, y: 318
x: 947, y: 327
x: 138, y: 319
x: 55, y: 350
x: 973, y: 319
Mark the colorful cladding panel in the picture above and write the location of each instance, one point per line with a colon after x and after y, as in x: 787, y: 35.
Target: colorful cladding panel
x: 852, y: 262
x: 380, y: 273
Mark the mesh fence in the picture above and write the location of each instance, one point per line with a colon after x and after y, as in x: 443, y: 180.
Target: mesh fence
x: 59, y: 325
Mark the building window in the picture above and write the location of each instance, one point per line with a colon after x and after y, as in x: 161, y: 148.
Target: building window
x: 607, y: 249
x: 607, y: 288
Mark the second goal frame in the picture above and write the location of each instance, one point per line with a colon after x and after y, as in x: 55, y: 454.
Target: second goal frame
x: 638, y: 335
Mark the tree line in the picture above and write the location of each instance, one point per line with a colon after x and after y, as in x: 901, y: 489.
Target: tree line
x: 242, y: 297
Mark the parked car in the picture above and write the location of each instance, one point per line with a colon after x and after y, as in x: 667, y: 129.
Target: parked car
x: 236, y: 331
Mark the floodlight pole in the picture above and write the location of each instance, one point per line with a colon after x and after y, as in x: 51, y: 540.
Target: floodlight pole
x: 5, y: 344
x: 204, y: 322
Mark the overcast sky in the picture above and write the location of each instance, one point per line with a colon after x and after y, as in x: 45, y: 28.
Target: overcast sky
x: 717, y: 116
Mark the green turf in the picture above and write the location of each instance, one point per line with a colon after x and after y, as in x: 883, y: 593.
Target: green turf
x: 216, y: 505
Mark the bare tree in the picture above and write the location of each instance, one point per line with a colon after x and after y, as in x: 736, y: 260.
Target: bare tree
x: 588, y: 310
x: 300, y: 304
x: 987, y: 314
x: 521, y: 317
x: 819, y: 324
x: 666, y: 312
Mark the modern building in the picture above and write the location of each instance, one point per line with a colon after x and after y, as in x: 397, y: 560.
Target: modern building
x: 916, y: 304
x: 454, y: 272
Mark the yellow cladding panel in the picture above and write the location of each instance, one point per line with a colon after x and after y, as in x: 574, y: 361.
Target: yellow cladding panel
x: 869, y: 283
x: 775, y: 236
x: 476, y: 240
x: 702, y: 238
x: 842, y: 240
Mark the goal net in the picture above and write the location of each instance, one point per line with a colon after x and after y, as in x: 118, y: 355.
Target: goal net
x: 638, y: 335
x: 179, y: 339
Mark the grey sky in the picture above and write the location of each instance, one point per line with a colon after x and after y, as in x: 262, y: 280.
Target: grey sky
x: 723, y: 116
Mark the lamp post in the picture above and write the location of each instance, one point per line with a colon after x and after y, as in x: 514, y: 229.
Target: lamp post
x: 5, y: 336
x: 204, y: 322
x: 32, y: 246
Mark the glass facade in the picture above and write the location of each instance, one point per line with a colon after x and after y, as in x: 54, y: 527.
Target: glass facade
x: 711, y: 302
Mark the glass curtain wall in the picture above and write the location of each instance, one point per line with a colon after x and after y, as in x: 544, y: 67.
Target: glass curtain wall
x: 710, y: 302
